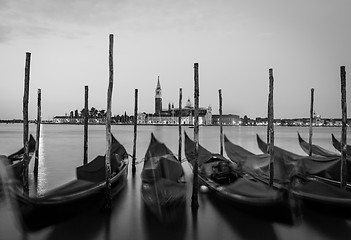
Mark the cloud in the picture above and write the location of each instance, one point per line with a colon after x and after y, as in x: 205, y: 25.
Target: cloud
x: 5, y: 32
x: 38, y: 18
x: 73, y: 18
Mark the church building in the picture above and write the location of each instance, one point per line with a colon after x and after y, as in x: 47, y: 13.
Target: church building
x: 158, y: 98
x: 171, y: 114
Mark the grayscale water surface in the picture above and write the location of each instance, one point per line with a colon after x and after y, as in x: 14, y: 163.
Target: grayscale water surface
x: 61, y: 150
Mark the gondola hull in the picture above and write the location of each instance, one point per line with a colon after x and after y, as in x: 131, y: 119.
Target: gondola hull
x: 162, y: 189
x: 241, y: 191
x: 167, y: 202
x: 322, y: 197
x: 87, y: 191
x: 15, y: 160
x: 38, y: 213
x: 337, y: 145
x: 309, y: 183
x: 315, y: 149
x: 270, y: 209
x: 325, y: 168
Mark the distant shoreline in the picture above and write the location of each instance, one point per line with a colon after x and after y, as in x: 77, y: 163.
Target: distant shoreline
x: 150, y: 124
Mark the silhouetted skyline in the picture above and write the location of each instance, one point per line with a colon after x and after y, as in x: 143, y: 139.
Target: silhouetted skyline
x: 235, y: 43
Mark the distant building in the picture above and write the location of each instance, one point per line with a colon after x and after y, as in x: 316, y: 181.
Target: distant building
x: 79, y: 120
x: 158, y: 97
x: 171, y: 115
x: 227, y: 119
x: 319, y: 121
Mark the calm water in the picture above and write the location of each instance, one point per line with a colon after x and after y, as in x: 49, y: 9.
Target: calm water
x: 61, y: 150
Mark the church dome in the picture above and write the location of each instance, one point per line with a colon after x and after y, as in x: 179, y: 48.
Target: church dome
x: 188, y: 104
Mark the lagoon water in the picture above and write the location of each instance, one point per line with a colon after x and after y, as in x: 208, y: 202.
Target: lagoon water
x: 61, y: 151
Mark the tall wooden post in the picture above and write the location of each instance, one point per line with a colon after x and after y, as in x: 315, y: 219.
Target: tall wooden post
x: 108, y: 128
x: 26, y: 126
x: 343, y: 170
x: 135, y: 130
x: 85, y: 117
x: 271, y: 128
x: 194, y: 199
x: 311, y: 123
x: 221, y: 122
x: 180, y: 126
x: 268, y: 116
x: 36, y: 163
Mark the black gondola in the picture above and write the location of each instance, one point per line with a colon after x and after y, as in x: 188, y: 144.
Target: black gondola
x: 315, y: 192
x: 87, y: 190
x: 15, y: 160
x: 326, y: 169
x: 163, y: 187
x: 316, y: 150
x: 227, y: 181
x: 337, y: 145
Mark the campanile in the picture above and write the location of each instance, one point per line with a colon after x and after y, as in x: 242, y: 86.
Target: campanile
x: 158, y: 97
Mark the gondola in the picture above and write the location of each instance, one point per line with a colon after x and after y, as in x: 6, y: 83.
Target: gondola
x: 316, y: 150
x: 326, y: 169
x: 257, y: 165
x: 163, y: 187
x: 337, y: 145
x: 314, y: 192
x: 228, y: 182
x: 322, y: 196
x: 15, y: 160
x: 86, y: 191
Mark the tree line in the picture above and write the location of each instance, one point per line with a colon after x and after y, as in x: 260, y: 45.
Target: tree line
x: 96, y: 113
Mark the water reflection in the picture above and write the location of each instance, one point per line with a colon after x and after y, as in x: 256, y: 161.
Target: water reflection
x: 247, y: 226
x: 156, y: 229
x: 329, y: 227
x: 42, y: 171
x: 194, y: 216
x: 10, y: 226
x: 107, y: 222
x: 61, y: 151
x: 91, y: 224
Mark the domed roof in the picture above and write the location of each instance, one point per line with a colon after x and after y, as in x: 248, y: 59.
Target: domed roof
x: 188, y: 104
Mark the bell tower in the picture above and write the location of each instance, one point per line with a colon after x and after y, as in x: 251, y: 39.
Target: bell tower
x: 158, y: 97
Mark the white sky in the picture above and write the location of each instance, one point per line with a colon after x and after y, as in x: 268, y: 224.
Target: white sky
x: 234, y: 42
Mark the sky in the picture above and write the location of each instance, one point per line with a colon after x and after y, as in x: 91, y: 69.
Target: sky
x: 235, y: 44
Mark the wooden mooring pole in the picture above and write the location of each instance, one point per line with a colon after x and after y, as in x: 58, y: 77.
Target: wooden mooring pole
x: 343, y: 170
x: 85, y: 119
x: 36, y: 163
x: 220, y: 123
x: 194, y: 199
x: 135, y: 130
x: 269, y: 113
x: 311, y: 123
x: 271, y: 128
x: 26, y: 126
x: 268, y: 120
x: 108, y: 202
x: 180, y: 126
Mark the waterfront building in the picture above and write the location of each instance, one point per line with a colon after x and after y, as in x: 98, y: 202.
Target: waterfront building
x: 77, y: 120
x: 227, y: 119
x: 171, y: 114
